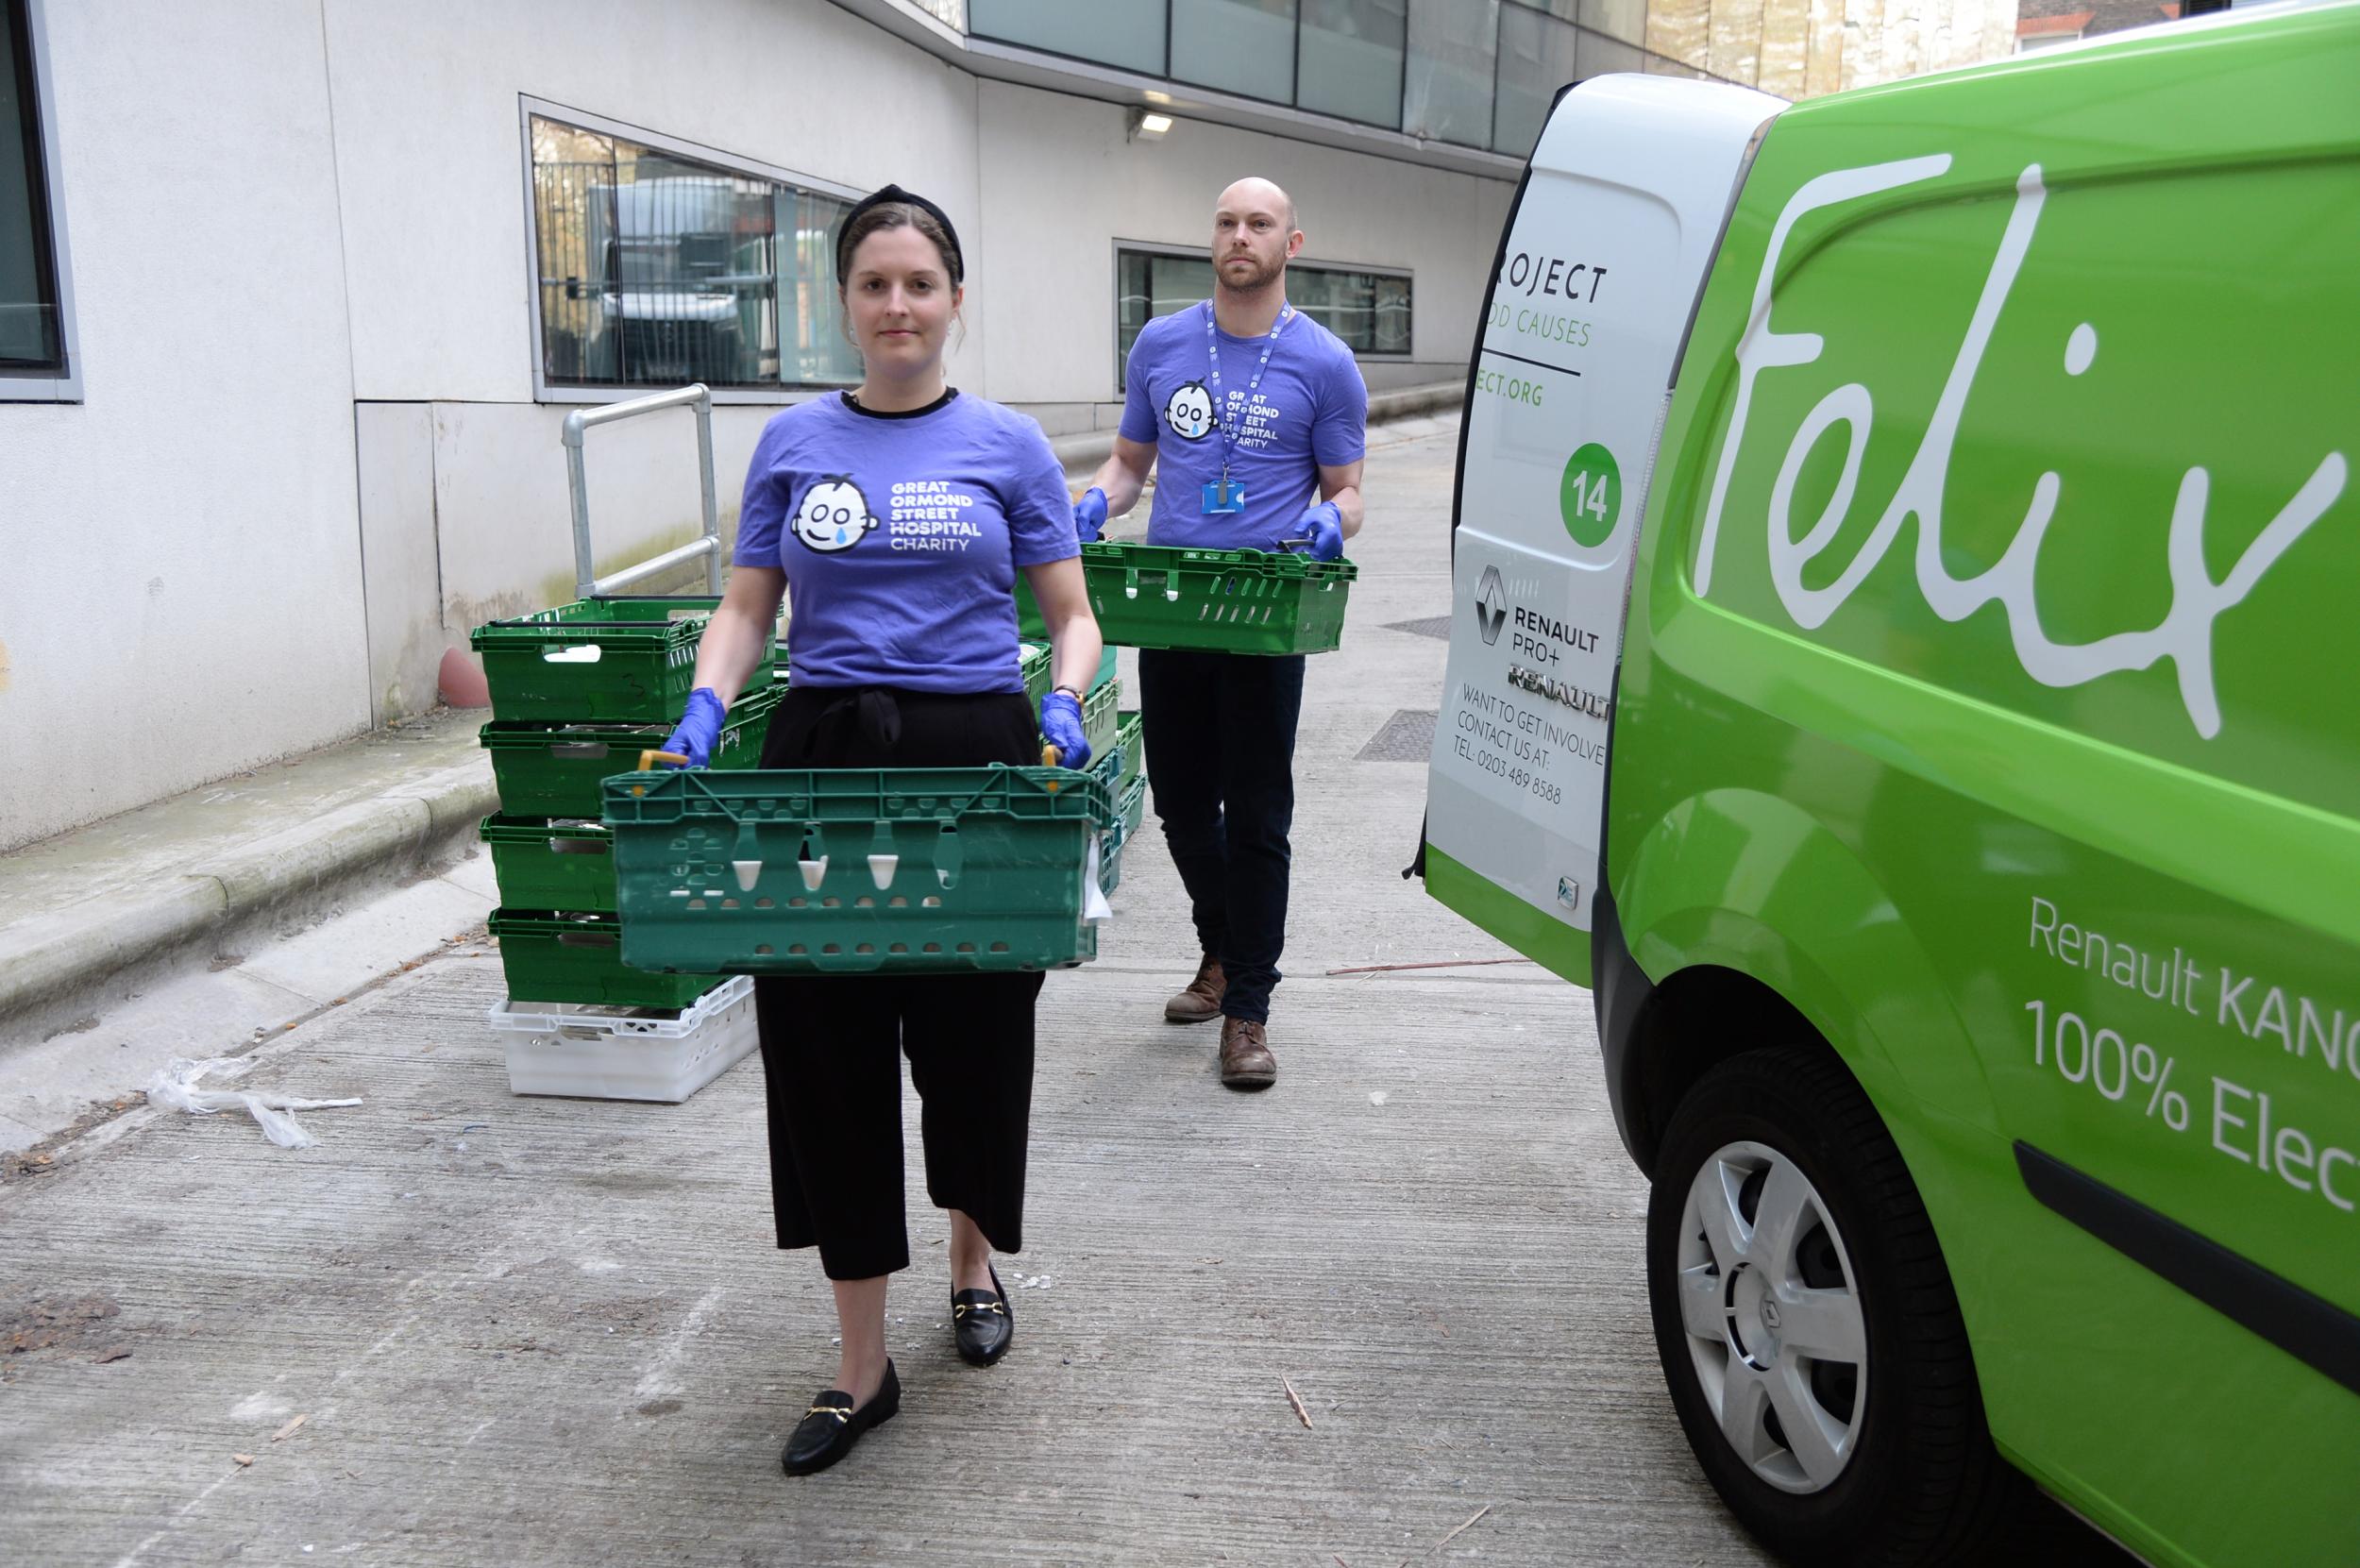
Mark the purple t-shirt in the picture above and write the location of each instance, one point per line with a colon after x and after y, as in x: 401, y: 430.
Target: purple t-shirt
x: 900, y: 537
x: 1311, y: 409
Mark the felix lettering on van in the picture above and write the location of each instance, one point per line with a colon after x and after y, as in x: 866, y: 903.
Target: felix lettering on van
x: 2185, y: 635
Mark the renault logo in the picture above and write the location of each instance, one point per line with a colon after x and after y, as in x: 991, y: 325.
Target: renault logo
x: 1491, y: 606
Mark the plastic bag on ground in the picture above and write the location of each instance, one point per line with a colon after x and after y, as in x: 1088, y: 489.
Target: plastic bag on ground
x: 175, y: 1084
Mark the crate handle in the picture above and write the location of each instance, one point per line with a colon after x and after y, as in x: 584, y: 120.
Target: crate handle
x: 1049, y: 755
x: 592, y: 750
x: 584, y: 939
x: 648, y: 760
x: 579, y: 845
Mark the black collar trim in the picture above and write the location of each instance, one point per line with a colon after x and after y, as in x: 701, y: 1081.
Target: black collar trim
x: 942, y: 402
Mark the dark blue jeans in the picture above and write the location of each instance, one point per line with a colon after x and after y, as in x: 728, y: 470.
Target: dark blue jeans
x: 1221, y: 750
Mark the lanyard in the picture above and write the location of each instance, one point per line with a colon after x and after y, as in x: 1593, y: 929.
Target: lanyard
x: 1220, y: 404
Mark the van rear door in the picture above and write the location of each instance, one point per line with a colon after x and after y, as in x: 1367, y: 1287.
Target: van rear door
x: 1597, y: 281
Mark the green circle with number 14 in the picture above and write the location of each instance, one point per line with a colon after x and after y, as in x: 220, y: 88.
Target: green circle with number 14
x: 1591, y: 495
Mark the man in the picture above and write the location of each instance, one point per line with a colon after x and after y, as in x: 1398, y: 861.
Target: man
x: 1260, y: 416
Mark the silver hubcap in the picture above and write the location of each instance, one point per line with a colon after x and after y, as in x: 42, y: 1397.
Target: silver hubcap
x: 1773, y: 1318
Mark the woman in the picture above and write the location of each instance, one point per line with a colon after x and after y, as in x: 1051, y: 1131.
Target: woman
x: 896, y: 516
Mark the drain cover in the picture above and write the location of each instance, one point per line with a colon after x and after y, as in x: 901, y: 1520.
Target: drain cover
x: 1408, y: 736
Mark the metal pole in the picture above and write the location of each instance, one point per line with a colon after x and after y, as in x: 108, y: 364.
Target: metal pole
x: 585, y: 570
x: 697, y: 397
x: 704, y: 466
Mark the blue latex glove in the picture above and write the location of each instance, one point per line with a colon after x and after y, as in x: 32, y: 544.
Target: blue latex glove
x: 1089, y: 515
x: 1324, y: 526
x: 699, y: 729
x: 1061, y: 726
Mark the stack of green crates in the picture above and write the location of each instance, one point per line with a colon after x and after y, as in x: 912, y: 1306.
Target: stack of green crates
x: 577, y: 693
x: 1118, y: 760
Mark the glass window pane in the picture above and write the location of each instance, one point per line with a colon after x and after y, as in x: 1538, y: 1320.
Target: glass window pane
x: 1622, y: 19
x: 1370, y: 311
x: 1536, y: 58
x: 814, y: 346
x: 1351, y: 60
x: 1245, y: 46
x: 658, y: 270
x: 1393, y: 315
x: 1601, y: 57
x: 1337, y: 300
x: 1128, y: 33
x: 28, y: 305
x: 1448, y: 94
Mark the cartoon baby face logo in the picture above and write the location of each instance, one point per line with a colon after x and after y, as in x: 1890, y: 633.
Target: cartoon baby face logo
x: 1189, y: 411
x: 835, y: 514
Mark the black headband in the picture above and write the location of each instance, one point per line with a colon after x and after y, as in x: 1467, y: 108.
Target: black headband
x: 878, y: 198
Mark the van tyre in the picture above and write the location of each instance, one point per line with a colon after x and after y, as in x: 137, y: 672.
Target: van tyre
x: 1807, y: 1327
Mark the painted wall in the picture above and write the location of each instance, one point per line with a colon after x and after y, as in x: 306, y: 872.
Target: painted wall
x: 180, y: 585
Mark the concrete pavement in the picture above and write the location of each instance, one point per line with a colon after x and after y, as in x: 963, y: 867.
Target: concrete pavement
x: 526, y: 1331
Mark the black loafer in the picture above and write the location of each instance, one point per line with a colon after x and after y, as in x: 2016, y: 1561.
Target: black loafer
x: 831, y: 1426
x: 984, y: 1324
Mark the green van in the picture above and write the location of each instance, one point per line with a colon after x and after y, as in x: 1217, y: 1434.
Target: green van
x: 1900, y: 662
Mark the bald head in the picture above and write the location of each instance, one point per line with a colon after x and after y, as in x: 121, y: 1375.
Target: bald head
x: 1254, y: 238
x: 1256, y: 195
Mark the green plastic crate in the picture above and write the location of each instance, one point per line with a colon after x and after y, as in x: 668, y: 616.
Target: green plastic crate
x: 554, y: 769
x: 785, y: 871
x: 1131, y: 738
x: 598, y: 659
x: 1105, y: 668
x: 1209, y: 602
x: 1119, y: 833
x: 1101, y: 714
x: 1035, y: 661
x: 578, y: 957
x: 551, y: 864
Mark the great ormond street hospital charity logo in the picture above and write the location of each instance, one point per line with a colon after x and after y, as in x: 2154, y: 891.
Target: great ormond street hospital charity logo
x: 1491, y: 606
x: 835, y: 515
x: 1190, y: 411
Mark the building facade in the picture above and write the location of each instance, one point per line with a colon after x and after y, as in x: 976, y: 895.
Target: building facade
x: 296, y: 294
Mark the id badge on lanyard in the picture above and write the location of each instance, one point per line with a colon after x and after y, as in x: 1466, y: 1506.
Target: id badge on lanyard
x: 1225, y: 495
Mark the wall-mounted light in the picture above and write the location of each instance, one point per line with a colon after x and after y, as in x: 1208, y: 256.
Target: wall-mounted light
x: 1145, y: 125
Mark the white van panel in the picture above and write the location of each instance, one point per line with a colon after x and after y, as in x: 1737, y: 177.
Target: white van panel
x: 1604, y: 258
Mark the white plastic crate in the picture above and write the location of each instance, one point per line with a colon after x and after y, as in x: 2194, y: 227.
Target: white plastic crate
x: 615, y: 1053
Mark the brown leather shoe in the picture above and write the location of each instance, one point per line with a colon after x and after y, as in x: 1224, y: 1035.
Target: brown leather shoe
x: 1245, y: 1058
x: 1200, y: 1003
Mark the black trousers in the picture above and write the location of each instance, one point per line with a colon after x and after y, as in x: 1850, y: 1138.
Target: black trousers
x: 1221, y: 750
x: 832, y: 1045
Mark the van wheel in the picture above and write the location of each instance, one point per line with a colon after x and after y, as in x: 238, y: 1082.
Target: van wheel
x: 1807, y: 1327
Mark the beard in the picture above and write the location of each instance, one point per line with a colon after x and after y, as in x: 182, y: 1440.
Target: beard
x: 1253, y: 276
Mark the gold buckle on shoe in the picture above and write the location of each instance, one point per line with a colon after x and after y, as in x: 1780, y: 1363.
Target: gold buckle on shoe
x: 961, y: 1308
x: 841, y: 1412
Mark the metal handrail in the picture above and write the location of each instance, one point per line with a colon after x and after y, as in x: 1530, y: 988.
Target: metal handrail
x: 586, y: 583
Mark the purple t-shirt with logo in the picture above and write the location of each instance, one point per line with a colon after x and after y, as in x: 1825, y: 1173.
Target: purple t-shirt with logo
x: 1311, y: 409
x: 900, y: 537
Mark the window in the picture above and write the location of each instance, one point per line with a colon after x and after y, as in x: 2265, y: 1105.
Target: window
x: 1242, y: 46
x: 655, y: 268
x: 1453, y: 57
x: 1370, y: 311
x: 35, y: 331
x: 1537, y: 57
x: 1349, y: 63
x: 1128, y: 33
